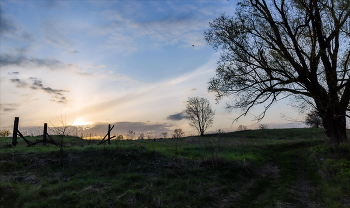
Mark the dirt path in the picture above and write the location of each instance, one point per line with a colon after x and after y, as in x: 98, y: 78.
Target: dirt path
x: 285, y: 181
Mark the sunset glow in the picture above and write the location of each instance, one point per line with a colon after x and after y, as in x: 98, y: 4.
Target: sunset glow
x: 102, y: 62
x: 81, y: 122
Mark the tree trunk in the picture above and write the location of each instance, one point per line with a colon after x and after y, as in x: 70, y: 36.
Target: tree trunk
x: 334, y: 122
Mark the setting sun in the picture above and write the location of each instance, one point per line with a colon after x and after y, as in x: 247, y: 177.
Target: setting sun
x: 81, y: 122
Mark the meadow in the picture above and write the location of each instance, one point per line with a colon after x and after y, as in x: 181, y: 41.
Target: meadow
x: 252, y: 168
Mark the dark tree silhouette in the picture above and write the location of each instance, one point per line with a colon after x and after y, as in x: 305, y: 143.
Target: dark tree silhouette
x: 178, y: 133
x: 313, y: 119
x: 274, y: 49
x: 199, y: 114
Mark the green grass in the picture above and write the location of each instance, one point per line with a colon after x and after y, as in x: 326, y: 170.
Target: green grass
x: 255, y: 168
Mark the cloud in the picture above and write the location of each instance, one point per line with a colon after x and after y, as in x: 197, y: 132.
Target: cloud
x: 37, y: 84
x: 177, y: 116
x: 21, y: 50
x: 7, y: 26
x: 121, y: 42
x: 10, y: 107
x: 172, y: 26
x: 186, y: 29
x: 19, y: 83
x: 58, y: 94
x: 54, y: 34
x: 10, y: 30
x: 11, y: 73
x: 11, y: 60
x: 97, y: 66
x: 147, y: 100
x: 84, y: 73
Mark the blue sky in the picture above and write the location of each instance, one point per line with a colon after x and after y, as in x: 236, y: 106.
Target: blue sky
x: 111, y: 61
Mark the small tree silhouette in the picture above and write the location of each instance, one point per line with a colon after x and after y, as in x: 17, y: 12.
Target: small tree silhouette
x: 178, y: 133
x: 263, y: 126
x: 131, y: 134
x: 64, y: 129
x: 313, y: 119
x: 242, y: 128
x: 199, y: 114
x: 165, y: 135
x: 141, y: 136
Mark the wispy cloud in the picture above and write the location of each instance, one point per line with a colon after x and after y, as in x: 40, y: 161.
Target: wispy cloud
x: 58, y: 94
x: 10, y: 29
x: 177, y: 116
x: 176, y: 25
x: 37, y: 84
x: 7, y: 26
x: 18, y: 82
x: 97, y: 66
x: 172, y: 30
x: 13, y: 73
x: 54, y: 34
x: 8, y: 107
x: 148, y: 100
x: 12, y: 60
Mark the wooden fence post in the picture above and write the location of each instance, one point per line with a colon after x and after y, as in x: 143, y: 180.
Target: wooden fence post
x: 15, y: 130
x: 109, y: 134
x: 45, y: 133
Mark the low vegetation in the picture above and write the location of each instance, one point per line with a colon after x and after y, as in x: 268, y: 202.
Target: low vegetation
x: 249, y: 168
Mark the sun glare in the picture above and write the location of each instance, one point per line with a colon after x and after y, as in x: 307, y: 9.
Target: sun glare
x: 81, y: 122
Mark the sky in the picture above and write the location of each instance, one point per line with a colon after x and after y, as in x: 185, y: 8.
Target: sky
x: 129, y: 63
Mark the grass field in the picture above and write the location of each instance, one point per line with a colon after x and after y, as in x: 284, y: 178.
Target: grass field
x: 254, y: 168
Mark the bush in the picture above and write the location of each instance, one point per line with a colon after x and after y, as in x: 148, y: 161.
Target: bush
x: 4, y: 133
x: 242, y: 128
x: 262, y: 126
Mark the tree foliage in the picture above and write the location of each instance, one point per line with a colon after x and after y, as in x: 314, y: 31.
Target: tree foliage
x: 242, y: 128
x: 274, y: 49
x: 178, y: 133
x: 313, y: 119
x: 199, y: 114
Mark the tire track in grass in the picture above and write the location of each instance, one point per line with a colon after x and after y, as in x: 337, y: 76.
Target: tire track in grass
x: 283, y: 181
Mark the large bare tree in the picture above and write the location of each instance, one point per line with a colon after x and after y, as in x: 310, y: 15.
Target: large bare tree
x: 273, y: 49
x: 199, y: 114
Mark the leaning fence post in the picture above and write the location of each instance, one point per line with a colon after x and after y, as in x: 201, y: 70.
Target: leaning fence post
x: 108, y: 135
x: 15, y: 130
x: 45, y: 133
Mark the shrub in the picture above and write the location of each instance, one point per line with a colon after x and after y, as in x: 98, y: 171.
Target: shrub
x: 242, y: 128
x: 4, y: 133
x: 178, y: 133
x: 165, y: 135
x: 262, y: 126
